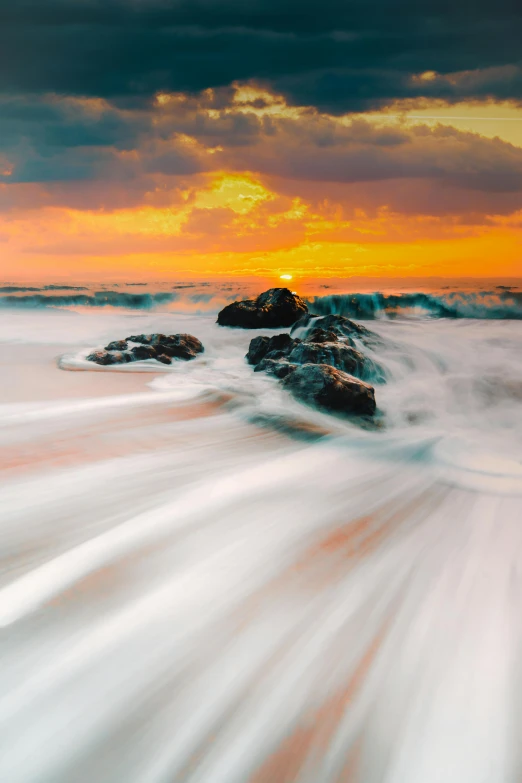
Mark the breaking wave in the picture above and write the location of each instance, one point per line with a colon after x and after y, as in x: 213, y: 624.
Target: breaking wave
x: 145, y: 301
x: 500, y: 304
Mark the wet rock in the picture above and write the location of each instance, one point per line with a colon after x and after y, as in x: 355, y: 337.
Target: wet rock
x: 277, y: 307
x: 180, y: 346
x: 338, y: 355
x: 338, y: 324
x: 163, y: 347
x: 101, y: 357
x: 278, y: 368
x: 257, y: 349
x: 121, y: 357
x: 322, y: 336
x: 141, y: 352
x: 261, y: 346
x: 158, y: 339
x: 117, y: 345
x: 145, y: 339
x: 331, y: 389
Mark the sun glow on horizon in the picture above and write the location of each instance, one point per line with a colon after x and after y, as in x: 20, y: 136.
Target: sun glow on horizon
x: 266, y: 202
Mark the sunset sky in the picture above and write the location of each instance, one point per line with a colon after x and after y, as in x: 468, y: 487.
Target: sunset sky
x: 162, y: 139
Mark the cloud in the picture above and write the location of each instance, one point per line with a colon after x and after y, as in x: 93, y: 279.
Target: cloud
x: 339, y: 55
x: 93, y: 154
x: 358, y: 152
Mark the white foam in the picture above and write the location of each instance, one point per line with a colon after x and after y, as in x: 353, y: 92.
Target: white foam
x: 186, y: 596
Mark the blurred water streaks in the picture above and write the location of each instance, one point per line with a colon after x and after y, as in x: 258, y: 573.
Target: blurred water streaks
x: 187, y: 593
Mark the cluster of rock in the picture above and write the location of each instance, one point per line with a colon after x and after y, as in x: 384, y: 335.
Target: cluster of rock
x: 321, y: 366
x: 162, y: 347
x: 320, y: 361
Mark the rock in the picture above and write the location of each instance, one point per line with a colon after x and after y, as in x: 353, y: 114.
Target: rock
x: 145, y: 339
x: 189, y: 340
x: 163, y: 347
x: 323, y: 336
x: 341, y: 326
x: 180, y: 346
x: 141, y: 352
x: 158, y: 339
x: 100, y: 357
x: 332, y: 389
x: 117, y: 345
x: 121, y: 357
x: 279, y: 368
x: 261, y: 346
x: 338, y: 355
x: 277, y: 307
x: 105, y: 357
x: 257, y: 349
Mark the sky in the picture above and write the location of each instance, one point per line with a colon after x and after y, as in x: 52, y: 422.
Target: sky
x: 172, y: 139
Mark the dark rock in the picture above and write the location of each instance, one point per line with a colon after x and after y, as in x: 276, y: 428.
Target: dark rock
x: 276, y: 355
x: 140, y: 352
x: 343, y: 357
x: 322, y: 336
x: 140, y: 338
x: 261, y: 346
x: 180, y: 346
x: 244, y: 314
x: 332, y: 389
x: 121, y: 357
x: 277, y: 307
x: 149, y: 339
x: 162, y: 347
x: 157, y: 339
x: 257, y: 349
x: 341, y: 326
x: 100, y: 357
x: 279, y: 368
x: 117, y: 345
x: 189, y: 340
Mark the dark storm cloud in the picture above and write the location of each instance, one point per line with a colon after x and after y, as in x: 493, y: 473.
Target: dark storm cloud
x: 53, y: 123
x: 48, y: 139
x: 336, y: 54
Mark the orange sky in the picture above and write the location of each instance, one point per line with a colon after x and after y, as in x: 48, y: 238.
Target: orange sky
x: 417, y: 195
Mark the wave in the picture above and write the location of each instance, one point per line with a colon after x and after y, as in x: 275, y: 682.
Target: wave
x: 14, y: 289
x: 458, y: 304
x: 145, y: 301
x: 496, y: 304
x: 54, y: 287
x: 18, y: 289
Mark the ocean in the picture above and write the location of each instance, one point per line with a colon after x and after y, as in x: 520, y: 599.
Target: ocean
x: 204, y: 580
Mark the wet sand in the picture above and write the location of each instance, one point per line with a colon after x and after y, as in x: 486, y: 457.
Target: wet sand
x: 31, y: 372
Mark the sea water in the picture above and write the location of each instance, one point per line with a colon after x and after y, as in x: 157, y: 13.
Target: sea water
x: 204, y: 580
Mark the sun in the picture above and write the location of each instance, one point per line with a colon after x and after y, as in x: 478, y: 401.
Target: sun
x: 285, y: 277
